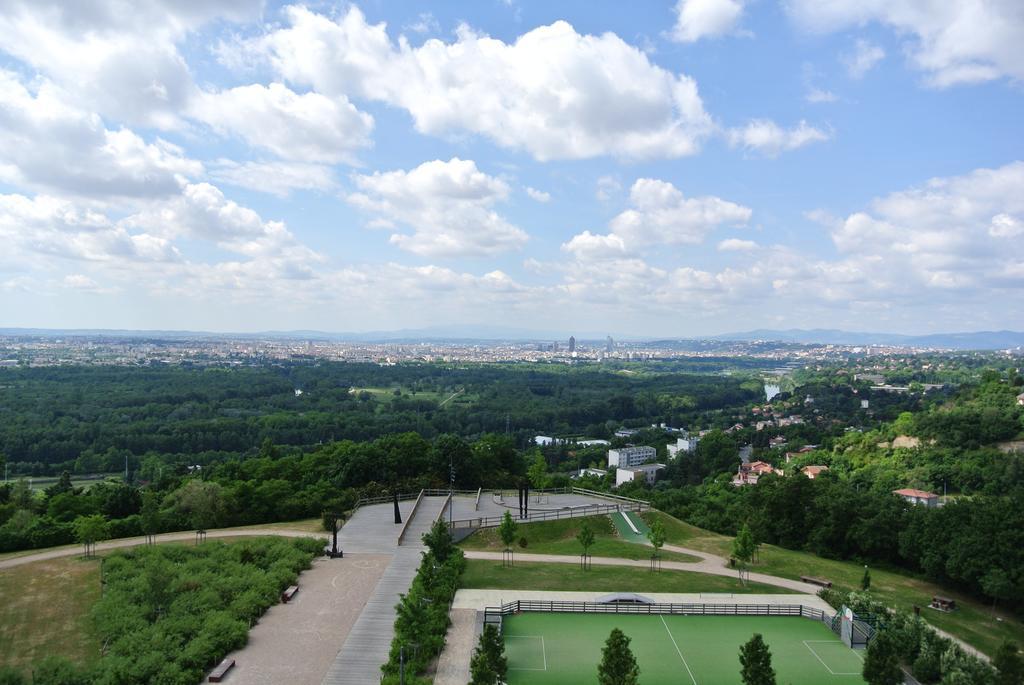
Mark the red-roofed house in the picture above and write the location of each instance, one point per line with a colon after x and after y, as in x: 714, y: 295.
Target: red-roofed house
x: 928, y: 499
x: 749, y: 473
x: 813, y: 472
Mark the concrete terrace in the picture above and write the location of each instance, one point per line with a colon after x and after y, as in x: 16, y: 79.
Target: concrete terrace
x: 371, y: 529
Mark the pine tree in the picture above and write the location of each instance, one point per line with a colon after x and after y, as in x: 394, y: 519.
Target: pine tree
x: 618, y: 665
x: 489, y: 665
x: 882, y: 664
x: 756, y: 660
x: 865, y: 581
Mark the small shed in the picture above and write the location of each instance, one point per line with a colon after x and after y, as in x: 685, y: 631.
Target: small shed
x: 943, y: 603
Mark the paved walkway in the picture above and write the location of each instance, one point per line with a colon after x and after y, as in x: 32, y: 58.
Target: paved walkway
x: 296, y: 643
x: 367, y: 646
x: 459, y: 642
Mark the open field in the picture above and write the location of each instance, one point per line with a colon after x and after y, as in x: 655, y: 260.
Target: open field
x: 45, y: 605
x: 565, y: 649
x: 559, y: 537
x: 525, y: 575
x: 973, y: 622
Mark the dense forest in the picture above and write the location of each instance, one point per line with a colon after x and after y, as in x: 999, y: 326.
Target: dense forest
x: 947, y: 440
x: 91, y: 419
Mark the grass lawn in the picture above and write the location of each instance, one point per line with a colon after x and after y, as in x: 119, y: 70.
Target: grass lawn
x: 486, y: 574
x: 972, y: 622
x: 45, y: 610
x: 559, y: 537
x: 564, y: 649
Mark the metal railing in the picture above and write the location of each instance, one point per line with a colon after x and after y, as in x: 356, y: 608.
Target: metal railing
x: 408, y: 518
x: 495, y: 614
x: 607, y: 495
x: 553, y: 515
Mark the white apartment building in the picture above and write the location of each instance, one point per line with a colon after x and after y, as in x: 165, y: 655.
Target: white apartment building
x: 627, y: 457
x: 645, y: 472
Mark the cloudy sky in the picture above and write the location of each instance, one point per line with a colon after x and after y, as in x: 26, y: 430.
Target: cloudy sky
x: 655, y: 168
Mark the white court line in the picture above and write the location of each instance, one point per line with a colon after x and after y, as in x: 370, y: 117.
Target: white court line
x: 629, y: 522
x: 678, y: 651
x: 543, y: 652
x: 808, y: 646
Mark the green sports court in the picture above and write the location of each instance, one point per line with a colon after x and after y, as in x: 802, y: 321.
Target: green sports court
x: 565, y: 648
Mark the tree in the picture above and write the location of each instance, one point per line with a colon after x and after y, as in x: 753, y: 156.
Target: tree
x: 1009, y: 662
x: 882, y: 664
x: 997, y: 585
x: 507, y: 533
x: 743, y: 548
x: 865, y: 580
x: 618, y: 665
x: 89, y: 530
x: 538, y: 472
x: 489, y: 665
x: 150, y: 519
x: 756, y: 660
x: 202, y: 503
x: 586, y: 538
x: 439, y: 540
x: 656, y: 536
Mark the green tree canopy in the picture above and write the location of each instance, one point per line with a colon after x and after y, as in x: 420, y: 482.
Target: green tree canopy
x: 882, y: 663
x: 756, y: 660
x: 489, y: 665
x: 618, y: 665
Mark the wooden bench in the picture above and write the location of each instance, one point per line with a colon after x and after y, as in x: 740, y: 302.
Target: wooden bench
x: 217, y: 674
x: 820, y: 582
x: 289, y: 593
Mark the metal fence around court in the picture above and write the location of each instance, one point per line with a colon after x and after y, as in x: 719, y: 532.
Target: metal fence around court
x: 495, y: 615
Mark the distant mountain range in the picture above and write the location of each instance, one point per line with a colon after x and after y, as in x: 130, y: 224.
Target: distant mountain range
x: 981, y: 340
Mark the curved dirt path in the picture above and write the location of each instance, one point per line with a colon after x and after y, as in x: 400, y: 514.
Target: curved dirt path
x: 185, y: 536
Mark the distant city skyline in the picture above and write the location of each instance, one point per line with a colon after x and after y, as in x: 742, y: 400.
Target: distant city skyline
x: 684, y: 168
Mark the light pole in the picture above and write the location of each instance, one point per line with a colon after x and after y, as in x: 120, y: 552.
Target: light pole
x: 451, y: 489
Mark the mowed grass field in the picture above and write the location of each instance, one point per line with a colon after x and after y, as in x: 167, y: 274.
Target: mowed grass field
x: 559, y: 537
x: 565, y: 649
x: 974, y: 622
x: 45, y: 611
x: 491, y: 575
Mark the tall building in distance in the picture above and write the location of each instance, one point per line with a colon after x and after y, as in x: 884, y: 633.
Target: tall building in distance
x: 572, y: 344
x: 609, y: 345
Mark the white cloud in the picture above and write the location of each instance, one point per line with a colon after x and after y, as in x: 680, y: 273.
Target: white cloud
x: 57, y: 228
x: 121, y: 61
x: 863, y: 59
x: 308, y: 127
x: 1005, y: 226
x: 817, y: 96
x: 737, y: 245
x: 47, y: 144
x: 276, y: 178
x: 949, y: 233
x: 553, y: 92
x: 538, y: 195
x: 660, y: 215
x: 770, y: 139
x: 696, y: 19
x: 952, y: 42
x: 448, y: 206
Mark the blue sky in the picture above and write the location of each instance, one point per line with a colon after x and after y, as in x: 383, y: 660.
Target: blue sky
x: 662, y: 168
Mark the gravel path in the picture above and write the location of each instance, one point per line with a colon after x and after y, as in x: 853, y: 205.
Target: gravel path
x: 296, y: 643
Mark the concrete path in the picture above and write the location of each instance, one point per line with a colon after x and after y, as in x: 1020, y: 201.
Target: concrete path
x: 296, y: 643
x: 368, y: 643
x: 707, y: 565
x: 459, y: 642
